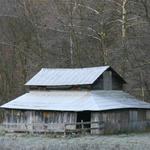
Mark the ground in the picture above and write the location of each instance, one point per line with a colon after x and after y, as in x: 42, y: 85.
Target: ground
x: 41, y: 142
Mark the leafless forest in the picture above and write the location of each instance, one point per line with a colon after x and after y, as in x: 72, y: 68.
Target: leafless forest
x: 74, y: 33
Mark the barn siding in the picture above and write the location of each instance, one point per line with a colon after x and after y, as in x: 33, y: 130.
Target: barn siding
x: 95, y: 116
x: 148, y: 114
x: 114, y: 121
x: 108, y: 81
x: 98, y: 84
x: 117, y: 83
x: 35, y: 120
x: 121, y: 120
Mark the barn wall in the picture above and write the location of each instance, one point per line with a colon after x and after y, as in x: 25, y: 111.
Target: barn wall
x: 98, y: 85
x: 115, y: 121
x: 108, y: 81
x: 121, y: 120
x: 36, y: 120
x: 148, y: 114
x: 117, y: 83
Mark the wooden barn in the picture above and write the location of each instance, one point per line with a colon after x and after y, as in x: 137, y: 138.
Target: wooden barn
x: 72, y: 99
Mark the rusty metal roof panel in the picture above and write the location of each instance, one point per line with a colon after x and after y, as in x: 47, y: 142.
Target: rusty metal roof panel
x: 63, y: 77
x: 76, y: 101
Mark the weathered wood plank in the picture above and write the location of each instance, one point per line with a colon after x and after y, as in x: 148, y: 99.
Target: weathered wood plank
x: 107, y: 80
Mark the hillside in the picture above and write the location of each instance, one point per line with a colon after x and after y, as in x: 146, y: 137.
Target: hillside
x: 76, y: 33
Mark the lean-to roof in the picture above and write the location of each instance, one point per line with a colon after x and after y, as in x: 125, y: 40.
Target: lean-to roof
x: 76, y: 101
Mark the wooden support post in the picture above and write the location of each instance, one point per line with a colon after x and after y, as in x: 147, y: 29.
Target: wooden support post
x: 82, y: 126
x: 65, y: 130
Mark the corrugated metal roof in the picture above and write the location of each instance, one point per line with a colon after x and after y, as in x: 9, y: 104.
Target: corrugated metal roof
x: 76, y: 101
x: 76, y: 76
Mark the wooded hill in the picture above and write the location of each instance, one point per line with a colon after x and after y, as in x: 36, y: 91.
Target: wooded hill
x: 74, y: 33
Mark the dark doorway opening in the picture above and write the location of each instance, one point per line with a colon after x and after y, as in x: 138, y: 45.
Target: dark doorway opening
x: 84, y: 116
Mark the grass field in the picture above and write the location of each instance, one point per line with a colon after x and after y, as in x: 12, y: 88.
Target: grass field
x: 41, y: 142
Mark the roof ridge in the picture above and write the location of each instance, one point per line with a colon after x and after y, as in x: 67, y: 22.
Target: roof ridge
x: 77, y: 67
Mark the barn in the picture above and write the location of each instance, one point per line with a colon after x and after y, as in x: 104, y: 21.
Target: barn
x: 72, y: 98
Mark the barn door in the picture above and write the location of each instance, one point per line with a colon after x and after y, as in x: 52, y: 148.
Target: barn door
x: 84, y: 116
